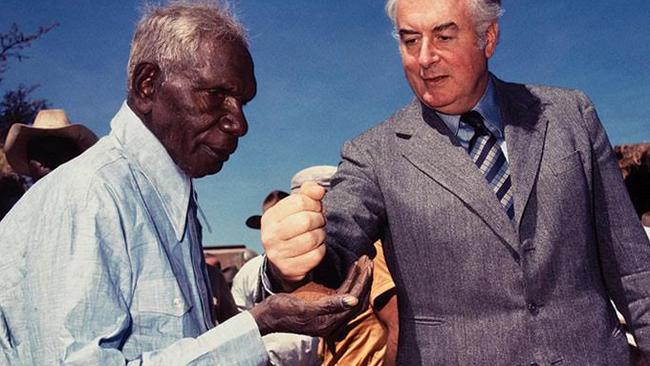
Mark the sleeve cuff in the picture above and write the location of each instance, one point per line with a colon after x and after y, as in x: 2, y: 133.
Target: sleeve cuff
x: 237, y: 341
x: 264, y: 279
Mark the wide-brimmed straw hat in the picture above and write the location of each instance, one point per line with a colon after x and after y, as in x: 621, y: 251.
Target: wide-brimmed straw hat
x: 48, y: 122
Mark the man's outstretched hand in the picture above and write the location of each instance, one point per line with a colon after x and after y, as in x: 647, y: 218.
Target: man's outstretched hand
x: 292, y: 313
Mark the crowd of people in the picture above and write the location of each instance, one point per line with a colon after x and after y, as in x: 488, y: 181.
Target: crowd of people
x: 485, y: 223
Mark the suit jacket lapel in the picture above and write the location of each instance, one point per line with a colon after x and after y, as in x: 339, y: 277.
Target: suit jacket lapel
x: 525, y: 132
x: 426, y: 143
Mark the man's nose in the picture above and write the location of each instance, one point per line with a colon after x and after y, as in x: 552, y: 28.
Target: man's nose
x: 428, y: 55
x: 234, y: 123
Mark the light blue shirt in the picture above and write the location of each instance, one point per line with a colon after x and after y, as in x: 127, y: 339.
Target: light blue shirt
x: 101, y: 264
x: 488, y: 107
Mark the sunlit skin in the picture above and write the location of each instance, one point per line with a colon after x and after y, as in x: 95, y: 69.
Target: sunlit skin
x: 442, y: 60
x: 199, y: 117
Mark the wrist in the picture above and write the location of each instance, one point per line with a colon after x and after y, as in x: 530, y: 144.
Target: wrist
x: 259, y: 313
x: 278, y: 282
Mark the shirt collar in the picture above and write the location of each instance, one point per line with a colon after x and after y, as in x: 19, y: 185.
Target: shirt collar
x: 144, y: 150
x: 487, y: 106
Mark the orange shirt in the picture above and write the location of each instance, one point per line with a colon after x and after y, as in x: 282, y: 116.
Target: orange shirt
x: 364, y: 342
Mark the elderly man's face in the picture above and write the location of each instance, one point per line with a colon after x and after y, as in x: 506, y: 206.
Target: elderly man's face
x: 440, y: 53
x: 199, y: 119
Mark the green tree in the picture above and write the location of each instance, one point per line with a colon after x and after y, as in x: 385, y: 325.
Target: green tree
x: 16, y: 106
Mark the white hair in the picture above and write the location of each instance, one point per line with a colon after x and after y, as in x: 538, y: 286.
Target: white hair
x: 170, y: 35
x: 483, y: 12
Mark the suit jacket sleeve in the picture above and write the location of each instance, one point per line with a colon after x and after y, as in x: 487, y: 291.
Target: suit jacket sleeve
x: 354, y: 209
x: 624, y: 249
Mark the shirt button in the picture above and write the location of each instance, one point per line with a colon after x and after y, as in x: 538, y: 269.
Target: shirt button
x: 178, y: 302
x: 533, y: 309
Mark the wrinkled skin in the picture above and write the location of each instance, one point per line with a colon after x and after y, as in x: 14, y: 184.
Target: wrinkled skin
x: 442, y: 59
x: 319, y: 317
x: 197, y: 116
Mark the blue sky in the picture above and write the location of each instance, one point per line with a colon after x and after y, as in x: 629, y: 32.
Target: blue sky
x: 328, y: 70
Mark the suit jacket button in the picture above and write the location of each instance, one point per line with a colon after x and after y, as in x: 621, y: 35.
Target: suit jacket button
x: 533, y: 309
x: 527, y: 245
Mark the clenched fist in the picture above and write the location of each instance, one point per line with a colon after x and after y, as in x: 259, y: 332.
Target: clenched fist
x: 293, y: 233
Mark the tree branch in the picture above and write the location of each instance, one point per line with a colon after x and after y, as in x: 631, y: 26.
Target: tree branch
x: 15, y: 41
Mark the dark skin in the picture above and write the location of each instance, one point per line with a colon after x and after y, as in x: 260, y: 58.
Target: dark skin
x: 199, y: 117
x: 384, y: 307
x: 317, y: 316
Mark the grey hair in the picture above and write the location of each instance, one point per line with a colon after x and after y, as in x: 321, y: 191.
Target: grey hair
x: 170, y: 35
x: 483, y: 12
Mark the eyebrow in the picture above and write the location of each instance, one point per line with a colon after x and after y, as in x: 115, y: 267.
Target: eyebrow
x: 403, y: 32
x: 445, y: 26
x: 436, y: 29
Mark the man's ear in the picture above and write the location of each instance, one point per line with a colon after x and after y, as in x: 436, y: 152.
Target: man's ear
x: 491, y: 39
x: 144, y: 84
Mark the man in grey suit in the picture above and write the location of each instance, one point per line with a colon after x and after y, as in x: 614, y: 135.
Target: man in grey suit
x: 504, y: 218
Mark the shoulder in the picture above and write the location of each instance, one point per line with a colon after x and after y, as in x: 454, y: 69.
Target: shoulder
x: 92, y: 181
x: 546, y: 95
x: 385, y: 131
x: 560, y: 96
x: 74, y: 202
x: 102, y: 168
x: 248, y: 274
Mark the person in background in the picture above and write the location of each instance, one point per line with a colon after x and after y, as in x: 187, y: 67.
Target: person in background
x: 283, y: 348
x: 12, y: 186
x: 224, y: 305
x: 634, y: 162
x: 102, y: 259
x: 32, y: 151
x: 638, y: 186
x: 637, y: 182
x: 36, y: 150
x: 371, y: 337
x: 500, y: 206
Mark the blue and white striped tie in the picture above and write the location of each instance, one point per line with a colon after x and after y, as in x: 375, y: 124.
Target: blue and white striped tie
x: 490, y: 160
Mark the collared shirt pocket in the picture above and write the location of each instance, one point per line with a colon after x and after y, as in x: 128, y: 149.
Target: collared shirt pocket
x: 566, y: 164
x: 162, y: 296
x: 159, y: 307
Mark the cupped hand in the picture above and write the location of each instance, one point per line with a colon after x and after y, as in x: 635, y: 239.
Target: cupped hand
x: 293, y: 313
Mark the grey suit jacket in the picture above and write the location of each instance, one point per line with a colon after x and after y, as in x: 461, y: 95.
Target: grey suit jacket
x: 474, y: 289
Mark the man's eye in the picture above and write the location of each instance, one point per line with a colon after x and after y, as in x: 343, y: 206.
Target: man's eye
x: 216, y: 95
x: 410, y: 41
x: 445, y: 38
x: 216, y: 92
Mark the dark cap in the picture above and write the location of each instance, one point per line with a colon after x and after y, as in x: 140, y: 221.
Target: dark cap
x: 254, y: 222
